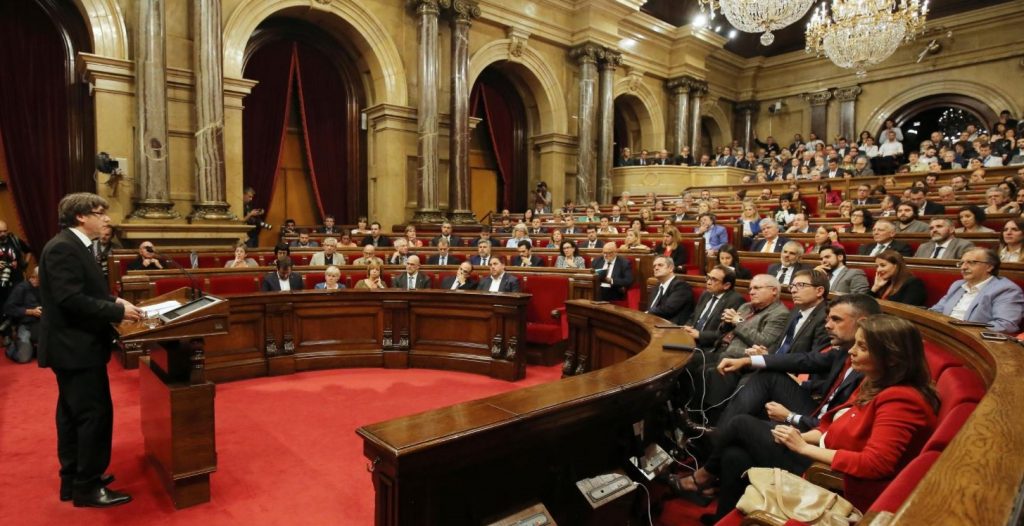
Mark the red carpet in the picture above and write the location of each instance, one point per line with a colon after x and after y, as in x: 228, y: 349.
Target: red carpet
x: 287, y: 448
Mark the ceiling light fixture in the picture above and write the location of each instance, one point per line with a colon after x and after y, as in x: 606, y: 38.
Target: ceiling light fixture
x: 757, y: 16
x: 861, y: 33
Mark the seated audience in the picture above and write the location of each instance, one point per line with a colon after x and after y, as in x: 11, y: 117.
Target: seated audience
x: 943, y: 244
x: 485, y: 235
x: 332, y: 279
x: 329, y: 227
x: 770, y: 240
x: 375, y: 237
x: 842, y: 279
x: 369, y: 257
x: 861, y: 221
x: 443, y: 256
x: 883, y: 234
x: 241, y: 260
x: 971, y: 219
x: 519, y: 233
x: 147, y: 259
x: 304, y: 241
x: 526, y: 257
x: 282, y: 279
x: 411, y: 279
x: 372, y: 279
x: 329, y: 256
x: 719, y: 294
x: 982, y: 295
x: 483, y: 254
x: 568, y: 257
x: 894, y: 282
x: 671, y: 246
x: 671, y: 298
x: 462, y: 280
x: 907, y: 221
x: 824, y: 236
x: 362, y: 227
x: 498, y: 280
x: 1011, y: 241
x: 918, y: 197
x: 750, y: 223
x: 869, y: 440
x: 999, y: 202
x: 729, y: 257
x: 346, y: 241
x: 614, y: 273
x: 410, y: 237
x: 401, y: 254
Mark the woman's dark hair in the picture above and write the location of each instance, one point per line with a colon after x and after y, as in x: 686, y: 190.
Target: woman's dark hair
x: 879, y: 190
x: 282, y: 246
x: 979, y: 213
x: 561, y: 247
x: 902, y: 272
x: 825, y: 187
x: 869, y: 220
x: 1017, y: 221
x: 731, y: 250
x: 896, y: 347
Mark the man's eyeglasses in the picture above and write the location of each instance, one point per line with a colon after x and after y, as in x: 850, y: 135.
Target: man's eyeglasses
x: 972, y: 262
x: 711, y: 279
x: 799, y: 285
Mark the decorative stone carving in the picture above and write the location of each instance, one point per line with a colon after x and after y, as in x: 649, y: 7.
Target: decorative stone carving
x: 288, y: 346
x: 386, y: 341
x: 403, y: 340
x: 818, y: 98
x: 587, y: 53
x: 680, y: 85
x: 510, y: 349
x: 270, y: 349
x: 518, y: 39
x: 569, y: 365
x: 463, y: 12
x: 496, y: 346
x: 848, y: 94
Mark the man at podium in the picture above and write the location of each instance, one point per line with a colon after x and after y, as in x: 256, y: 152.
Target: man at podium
x: 76, y: 337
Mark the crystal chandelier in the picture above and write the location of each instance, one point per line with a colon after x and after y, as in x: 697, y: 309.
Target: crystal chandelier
x: 862, y: 33
x: 755, y: 16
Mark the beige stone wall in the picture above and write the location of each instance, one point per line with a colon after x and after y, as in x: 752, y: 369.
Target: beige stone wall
x: 982, y: 60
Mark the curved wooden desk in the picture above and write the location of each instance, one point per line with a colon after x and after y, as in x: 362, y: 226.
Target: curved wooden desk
x: 466, y: 462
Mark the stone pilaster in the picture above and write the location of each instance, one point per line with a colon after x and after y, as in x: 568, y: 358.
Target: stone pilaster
x: 208, y: 68
x: 697, y: 92
x: 587, y: 56
x: 152, y: 198
x: 819, y: 112
x: 680, y: 90
x: 747, y: 111
x: 462, y: 14
x: 847, y: 98
x: 606, y: 124
x: 427, y: 210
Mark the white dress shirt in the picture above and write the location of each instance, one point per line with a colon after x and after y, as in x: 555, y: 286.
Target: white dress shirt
x: 960, y: 309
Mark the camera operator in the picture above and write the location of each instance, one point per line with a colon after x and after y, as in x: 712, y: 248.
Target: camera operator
x: 147, y: 259
x: 13, y: 253
x: 253, y: 216
x: 542, y: 198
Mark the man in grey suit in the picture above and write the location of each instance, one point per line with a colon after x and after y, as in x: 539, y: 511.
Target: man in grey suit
x: 944, y: 245
x: 411, y: 278
x: 983, y: 296
x: 805, y: 329
x: 842, y: 279
x: 717, y: 297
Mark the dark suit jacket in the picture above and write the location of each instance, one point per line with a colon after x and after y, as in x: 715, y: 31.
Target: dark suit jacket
x: 812, y: 335
x: 436, y: 260
x: 383, y: 241
x: 709, y: 335
x: 271, y: 283
x: 912, y: 292
x: 77, y: 306
x: 401, y: 281
x: 782, y: 240
x: 895, y: 244
x: 478, y: 261
x: 676, y: 305
x: 585, y: 243
x: 453, y: 240
x: 678, y: 256
x: 535, y: 261
x: 825, y: 369
x: 622, y: 278
x: 509, y: 283
x: 774, y: 268
x: 931, y: 208
x: 470, y: 284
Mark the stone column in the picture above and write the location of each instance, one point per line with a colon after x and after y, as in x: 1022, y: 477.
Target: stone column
x: 587, y: 55
x: 207, y: 65
x: 152, y: 199
x: 463, y: 12
x: 697, y: 92
x: 427, y: 114
x: 819, y: 112
x: 847, y: 98
x: 680, y: 89
x: 747, y: 111
x: 606, y: 124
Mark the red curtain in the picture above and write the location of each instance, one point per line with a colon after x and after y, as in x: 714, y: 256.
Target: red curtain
x: 323, y: 103
x: 504, y: 118
x: 33, y: 115
x: 265, y: 119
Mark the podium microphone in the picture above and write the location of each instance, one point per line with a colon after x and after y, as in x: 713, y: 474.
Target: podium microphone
x: 194, y: 291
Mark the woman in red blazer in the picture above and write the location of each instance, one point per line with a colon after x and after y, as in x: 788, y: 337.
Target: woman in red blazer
x: 869, y: 439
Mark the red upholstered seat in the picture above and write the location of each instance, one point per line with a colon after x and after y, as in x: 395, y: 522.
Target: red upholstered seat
x: 310, y: 279
x: 958, y: 385
x: 549, y: 294
x: 900, y: 488
x: 939, y: 359
x: 938, y: 281
x: 165, y: 285
x: 208, y: 261
x: 949, y: 426
x: 757, y: 266
x: 301, y: 259
x: 243, y: 284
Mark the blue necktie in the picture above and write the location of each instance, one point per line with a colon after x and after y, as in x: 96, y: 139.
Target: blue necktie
x: 707, y: 314
x: 788, y: 342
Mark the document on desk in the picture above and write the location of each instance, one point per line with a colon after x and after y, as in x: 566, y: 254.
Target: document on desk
x: 157, y: 309
x: 603, y: 489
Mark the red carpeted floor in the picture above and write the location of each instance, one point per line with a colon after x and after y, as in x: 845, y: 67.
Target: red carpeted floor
x: 287, y: 448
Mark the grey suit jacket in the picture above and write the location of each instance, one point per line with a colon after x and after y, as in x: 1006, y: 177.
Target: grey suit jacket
x: 954, y: 249
x: 851, y: 281
x: 765, y: 329
x: 1000, y: 303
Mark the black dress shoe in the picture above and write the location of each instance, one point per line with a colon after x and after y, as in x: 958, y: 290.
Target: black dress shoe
x: 66, y: 486
x: 100, y: 497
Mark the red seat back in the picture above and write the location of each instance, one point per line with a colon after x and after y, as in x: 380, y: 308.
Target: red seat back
x: 549, y: 293
x: 958, y: 385
x: 241, y: 284
x: 165, y: 285
x: 949, y: 426
x: 900, y: 488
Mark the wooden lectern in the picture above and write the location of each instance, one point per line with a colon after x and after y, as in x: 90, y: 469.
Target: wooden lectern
x: 175, y: 399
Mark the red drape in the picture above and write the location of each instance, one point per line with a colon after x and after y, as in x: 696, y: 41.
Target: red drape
x: 505, y: 121
x: 323, y: 101
x: 33, y: 115
x: 265, y: 119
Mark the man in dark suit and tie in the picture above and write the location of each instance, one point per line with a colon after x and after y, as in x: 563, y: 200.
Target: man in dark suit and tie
x: 919, y: 198
x: 526, y: 259
x: 483, y: 254
x: 834, y: 171
x: 462, y: 280
x: 283, y: 279
x: 615, y: 274
x: 672, y: 297
x: 789, y: 263
x: 717, y: 297
x: 446, y: 234
x: 771, y: 240
x: 591, y: 241
x: 805, y: 329
x: 771, y: 393
x: 75, y: 341
x: 443, y: 257
x: 883, y: 233
x: 499, y: 280
x: 411, y: 278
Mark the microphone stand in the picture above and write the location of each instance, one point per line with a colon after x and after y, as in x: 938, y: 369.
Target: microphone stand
x: 194, y: 291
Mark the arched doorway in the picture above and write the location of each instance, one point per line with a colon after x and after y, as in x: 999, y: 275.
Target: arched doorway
x: 498, y: 150
x: 303, y: 145
x: 948, y: 113
x: 47, y: 129
x: 710, y: 134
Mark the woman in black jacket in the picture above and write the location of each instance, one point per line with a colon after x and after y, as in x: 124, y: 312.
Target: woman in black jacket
x: 894, y: 282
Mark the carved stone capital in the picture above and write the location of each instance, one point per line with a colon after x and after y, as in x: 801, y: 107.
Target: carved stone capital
x: 818, y: 98
x: 587, y: 53
x: 748, y: 107
x: 680, y: 85
x: 464, y: 11
x: 847, y: 94
x: 155, y: 210
x: 611, y: 59
x: 518, y: 39
x: 429, y: 7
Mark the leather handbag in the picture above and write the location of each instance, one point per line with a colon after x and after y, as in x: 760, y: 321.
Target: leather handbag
x: 782, y: 494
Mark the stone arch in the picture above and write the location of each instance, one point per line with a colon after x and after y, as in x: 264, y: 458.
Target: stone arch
x: 990, y: 96
x: 106, y: 25
x: 717, y: 123
x: 538, y: 79
x: 649, y: 111
x: 345, y: 19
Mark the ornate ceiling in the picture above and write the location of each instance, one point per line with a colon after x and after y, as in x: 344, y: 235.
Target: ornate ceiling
x: 681, y: 12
